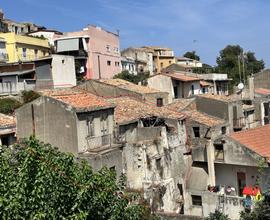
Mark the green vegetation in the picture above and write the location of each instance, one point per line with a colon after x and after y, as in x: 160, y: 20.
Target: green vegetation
x: 39, y: 182
x: 140, y: 77
x: 217, y: 215
x: 29, y: 96
x: 191, y: 55
x: 229, y: 59
x: 8, y: 105
x: 261, y: 211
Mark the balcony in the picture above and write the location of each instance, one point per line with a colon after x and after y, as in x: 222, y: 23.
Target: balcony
x: 3, y: 57
x: 96, y: 142
x: 238, y: 123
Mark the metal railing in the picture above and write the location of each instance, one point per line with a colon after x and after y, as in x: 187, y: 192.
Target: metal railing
x: 239, y: 122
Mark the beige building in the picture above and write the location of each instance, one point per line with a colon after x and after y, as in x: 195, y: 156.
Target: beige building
x: 162, y: 57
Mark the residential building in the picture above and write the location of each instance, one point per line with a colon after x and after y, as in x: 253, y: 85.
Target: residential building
x: 239, y: 113
x: 110, y: 88
x: 187, y: 62
x: 154, y: 143
x: 176, y: 68
x: 55, y: 71
x: 96, y: 51
x: 219, y: 82
x: 177, y: 84
x: 24, y: 48
x: 7, y: 130
x: 48, y: 34
x: 236, y: 158
x: 3, y: 51
x: 143, y: 59
x: 128, y: 64
x: 3, y: 25
x: 84, y: 125
x: 162, y: 57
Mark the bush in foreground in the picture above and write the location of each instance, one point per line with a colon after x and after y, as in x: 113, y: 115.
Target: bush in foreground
x: 39, y: 182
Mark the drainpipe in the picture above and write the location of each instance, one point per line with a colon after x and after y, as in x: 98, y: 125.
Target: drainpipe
x: 99, y: 72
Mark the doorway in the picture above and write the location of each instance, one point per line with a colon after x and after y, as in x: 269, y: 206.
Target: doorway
x: 241, y: 181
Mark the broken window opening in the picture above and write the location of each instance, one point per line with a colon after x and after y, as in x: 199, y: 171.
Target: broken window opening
x: 219, y: 152
x: 196, y: 131
x: 196, y: 200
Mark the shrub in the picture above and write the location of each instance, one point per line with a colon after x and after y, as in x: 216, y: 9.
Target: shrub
x: 29, y: 96
x: 8, y: 105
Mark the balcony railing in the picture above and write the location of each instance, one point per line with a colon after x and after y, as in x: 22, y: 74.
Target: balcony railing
x: 239, y: 122
x: 95, y: 142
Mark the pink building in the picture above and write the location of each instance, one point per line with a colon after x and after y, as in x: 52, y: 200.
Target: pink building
x: 96, y: 51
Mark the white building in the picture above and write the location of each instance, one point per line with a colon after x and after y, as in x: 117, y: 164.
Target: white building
x: 187, y: 62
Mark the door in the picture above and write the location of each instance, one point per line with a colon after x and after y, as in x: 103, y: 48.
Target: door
x: 241, y: 181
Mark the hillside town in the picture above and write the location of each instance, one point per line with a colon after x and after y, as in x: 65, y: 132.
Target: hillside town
x: 191, y: 138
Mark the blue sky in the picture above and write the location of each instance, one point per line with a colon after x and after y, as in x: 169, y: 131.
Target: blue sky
x: 206, y: 26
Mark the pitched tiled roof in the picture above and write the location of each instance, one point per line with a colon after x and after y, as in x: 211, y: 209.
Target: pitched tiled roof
x: 80, y: 100
x: 7, y: 121
x: 180, y: 104
x: 205, y: 84
x: 224, y: 98
x: 129, y: 109
x: 257, y: 140
x: 203, y: 118
x: 120, y: 83
x: 262, y: 91
x: 182, y: 77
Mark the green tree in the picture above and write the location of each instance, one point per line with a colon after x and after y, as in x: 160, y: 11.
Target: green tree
x: 140, y: 77
x: 261, y: 210
x: 217, y: 215
x: 192, y: 55
x: 229, y: 59
x: 39, y: 182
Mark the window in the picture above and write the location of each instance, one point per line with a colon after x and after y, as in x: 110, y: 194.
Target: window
x: 161, y: 65
x: 44, y: 53
x: 192, y: 89
x: 203, y: 90
x: 90, y: 126
x: 170, y: 61
x: 219, y: 152
x: 104, y: 124
x: 175, y: 89
x: 196, y: 131
x: 24, y: 52
x: 108, y: 48
x: 223, y: 130
x: 36, y: 53
x: 196, y: 200
x: 159, y: 102
x: 108, y: 62
x: 117, y: 63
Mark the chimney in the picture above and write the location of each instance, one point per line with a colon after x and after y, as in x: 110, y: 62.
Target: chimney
x: 251, y: 87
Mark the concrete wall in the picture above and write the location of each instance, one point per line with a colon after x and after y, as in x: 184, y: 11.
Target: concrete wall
x: 47, y: 112
x: 162, y: 83
x: 63, y: 71
x: 262, y: 79
x: 111, y: 159
x: 44, y: 79
x: 82, y: 128
x: 111, y: 91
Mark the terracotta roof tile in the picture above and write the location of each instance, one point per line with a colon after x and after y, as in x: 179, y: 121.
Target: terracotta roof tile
x: 224, y: 98
x: 203, y: 118
x: 79, y: 100
x: 205, y: 84
x: 262, y: 91
x: 129, y: 86
x: 257, y: 139
x: 7, y: 121
x: 182, y: 77
x: 129, y: 109
x: 180, y: 104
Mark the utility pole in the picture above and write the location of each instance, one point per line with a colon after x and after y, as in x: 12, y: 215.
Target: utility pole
x: 239, y: 67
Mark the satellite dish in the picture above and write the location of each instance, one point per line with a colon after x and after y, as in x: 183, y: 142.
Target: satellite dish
x: 240, y: 86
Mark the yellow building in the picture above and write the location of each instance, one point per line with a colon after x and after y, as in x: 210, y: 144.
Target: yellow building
x: 24, y: 48
x: 162, y: 57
